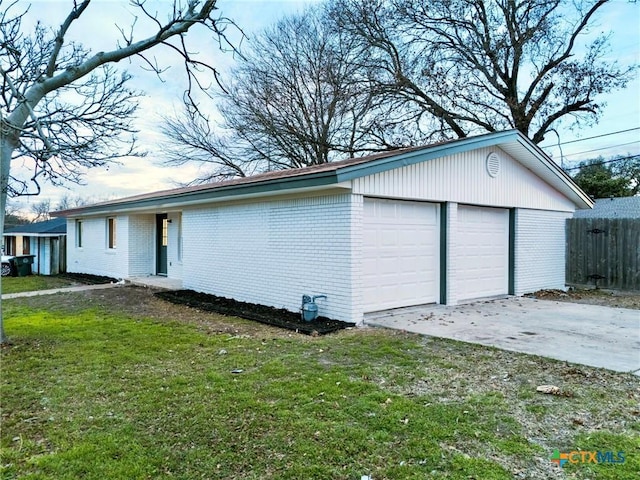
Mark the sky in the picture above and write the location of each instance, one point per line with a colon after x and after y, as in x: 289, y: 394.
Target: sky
x: 618, y: 131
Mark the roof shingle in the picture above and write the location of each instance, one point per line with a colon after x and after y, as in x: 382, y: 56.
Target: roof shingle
x: 618, y: 207
x: 50, y: 227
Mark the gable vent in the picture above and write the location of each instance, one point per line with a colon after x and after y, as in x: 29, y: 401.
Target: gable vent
x: 493, y: 164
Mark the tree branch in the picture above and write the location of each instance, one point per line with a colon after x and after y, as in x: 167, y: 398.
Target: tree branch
x: 73, y: 15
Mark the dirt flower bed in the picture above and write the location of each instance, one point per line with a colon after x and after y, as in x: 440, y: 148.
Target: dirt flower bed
x: 88, y: 279
x: 593, y: 296
x: 277, y: 317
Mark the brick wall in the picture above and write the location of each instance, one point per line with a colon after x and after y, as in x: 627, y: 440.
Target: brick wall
x: 356, y: 270
x: 540, y: 250
x: 272, y: 253
x: 141, y: 244
x: 94, y: 257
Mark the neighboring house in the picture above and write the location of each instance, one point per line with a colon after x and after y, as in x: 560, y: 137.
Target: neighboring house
x: 45, y: 240
x: 614, y: 207
x: 447, y: 223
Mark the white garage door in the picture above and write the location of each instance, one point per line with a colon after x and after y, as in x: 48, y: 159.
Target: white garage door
x: 482, y: 253
x: 400, y: 254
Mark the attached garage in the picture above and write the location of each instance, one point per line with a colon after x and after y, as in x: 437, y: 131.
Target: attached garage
x: 483, y: 252
x: 445, y: 223
x: 400, y: 254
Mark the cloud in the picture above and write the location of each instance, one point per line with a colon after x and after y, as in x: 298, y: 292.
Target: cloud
x: 97, y: 29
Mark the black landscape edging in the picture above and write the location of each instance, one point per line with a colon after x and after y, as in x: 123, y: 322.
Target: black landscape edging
x: 88, y: 279
x: 277, y: 317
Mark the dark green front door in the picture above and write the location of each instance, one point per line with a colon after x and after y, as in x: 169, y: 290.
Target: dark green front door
x: 162, y: 238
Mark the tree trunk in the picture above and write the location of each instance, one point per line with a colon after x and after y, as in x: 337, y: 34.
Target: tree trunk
x: 6, y: 149
x: 9, y: 141
x: 184, y: 17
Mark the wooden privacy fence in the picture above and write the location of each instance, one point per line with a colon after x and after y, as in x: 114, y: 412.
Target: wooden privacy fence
x: 604, y: 252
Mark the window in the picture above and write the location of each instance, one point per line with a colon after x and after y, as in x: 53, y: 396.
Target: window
x: 111, y: 233
x: 26, y: 244
x: 10, y: 247
x: 165, y: 232
x: 79, y: 233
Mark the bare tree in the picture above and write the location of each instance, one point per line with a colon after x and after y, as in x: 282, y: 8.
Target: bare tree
x: 67, y: 202
x: 13, y: 216
x: 65, y: 108
x: 466, y: 66
x: 299, y: 97
x: 41, y: 210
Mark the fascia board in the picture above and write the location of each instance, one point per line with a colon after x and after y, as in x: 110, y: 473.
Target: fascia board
x: 574, y: 192
x: 26, y: 234
x: 177, y: 202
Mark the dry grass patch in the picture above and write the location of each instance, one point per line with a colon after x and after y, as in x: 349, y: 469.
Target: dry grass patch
x: 118, y: 384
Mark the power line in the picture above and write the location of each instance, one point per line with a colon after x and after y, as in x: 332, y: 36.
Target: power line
x: 590, y: 138
x: 603, y: 148
x: 604, y: 162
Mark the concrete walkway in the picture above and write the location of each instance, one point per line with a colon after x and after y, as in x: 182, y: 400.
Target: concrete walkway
x: 150, y: 281
x: 79, y: 288
x: 155, y: 281
x: 586, y: 334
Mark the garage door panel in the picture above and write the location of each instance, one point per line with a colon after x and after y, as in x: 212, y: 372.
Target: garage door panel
x: 421, y: 264
x: 387, y: 267
x: 388, y: 238
x: 401, y: 253
x: 482, y: 252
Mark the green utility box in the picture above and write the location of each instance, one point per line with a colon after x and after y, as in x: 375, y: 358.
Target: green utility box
x: 23, y: 264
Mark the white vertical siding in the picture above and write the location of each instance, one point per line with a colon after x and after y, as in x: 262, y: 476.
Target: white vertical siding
x: 463, y: 178
x: 539, y: 250
x: 33, y: 250
x: 41, y: 263
x: 272, y: 253
x: 94, y: 257
x: 45, y: 260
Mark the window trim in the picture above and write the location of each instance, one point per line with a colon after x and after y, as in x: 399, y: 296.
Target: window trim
x: 111, y: 233
x: 79, y: 232
x: 179, y: 254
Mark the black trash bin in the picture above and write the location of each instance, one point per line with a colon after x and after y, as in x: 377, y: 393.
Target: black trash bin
x: 23, y: 264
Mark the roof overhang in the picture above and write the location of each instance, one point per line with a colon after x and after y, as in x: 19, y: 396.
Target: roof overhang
x: 339, y: 177
x: 512, y: 142
x: 207, y: 197
x: 31, y: 234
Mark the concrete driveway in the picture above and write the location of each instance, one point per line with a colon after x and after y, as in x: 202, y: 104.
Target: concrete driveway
x: 585, y: 334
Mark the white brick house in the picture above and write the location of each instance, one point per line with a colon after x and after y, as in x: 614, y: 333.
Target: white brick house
x: 447, y: 223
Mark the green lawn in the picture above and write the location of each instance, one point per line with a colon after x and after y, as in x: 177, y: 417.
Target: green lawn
x: 91, y: 393
x: 33, y: 282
